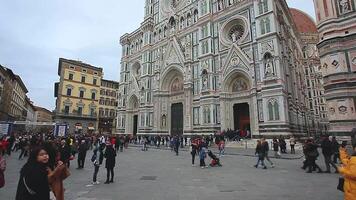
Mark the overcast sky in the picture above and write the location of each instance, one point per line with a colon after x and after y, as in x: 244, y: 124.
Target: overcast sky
x: 34, y: 34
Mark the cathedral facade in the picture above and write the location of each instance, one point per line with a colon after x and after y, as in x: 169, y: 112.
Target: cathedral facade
x: 198, y: 67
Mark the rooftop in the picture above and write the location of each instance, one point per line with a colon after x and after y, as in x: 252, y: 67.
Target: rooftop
x: 303, y: 22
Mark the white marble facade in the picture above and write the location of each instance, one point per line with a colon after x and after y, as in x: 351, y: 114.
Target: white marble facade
x: 207, y: 56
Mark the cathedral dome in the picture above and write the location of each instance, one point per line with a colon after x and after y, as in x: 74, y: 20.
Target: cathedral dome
x: 303, y: 22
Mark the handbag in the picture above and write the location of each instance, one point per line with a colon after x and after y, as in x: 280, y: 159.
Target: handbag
x: 340, y: 186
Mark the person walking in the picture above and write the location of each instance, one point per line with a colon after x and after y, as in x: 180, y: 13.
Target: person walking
x: 348, y: 171
x: 327, y: 151
x: 33, y: 183
x: 21, y: 146
x: 82, y: 153
x: 176, y: 143
x: 221, y: 146
x: 202, y: 156
x: 335, y: 149
x: 292, y: 145
x: 110, y: 155
x: 2, y: 171
x: 311, y: 153
x: 65, y: 153
x: 275, y: 148
x: 193, y: 150
x: 265, y: 147
x: 260, y: 152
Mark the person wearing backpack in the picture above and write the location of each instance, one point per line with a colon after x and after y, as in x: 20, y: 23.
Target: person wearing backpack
x: 2, y: 170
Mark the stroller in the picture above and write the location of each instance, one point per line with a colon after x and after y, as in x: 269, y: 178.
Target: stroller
x: 215, y: 161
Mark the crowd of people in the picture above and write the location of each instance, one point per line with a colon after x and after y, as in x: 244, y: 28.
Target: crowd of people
x: 49, y: 158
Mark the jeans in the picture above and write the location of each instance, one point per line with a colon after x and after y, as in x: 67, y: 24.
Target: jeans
x: 262, y: 162
x: 221, y: 151
x: 96, y: 170
x: 202, y: 163
x: 22, y: 153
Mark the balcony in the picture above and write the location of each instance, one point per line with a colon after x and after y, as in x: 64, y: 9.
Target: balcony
x: 75, y: 114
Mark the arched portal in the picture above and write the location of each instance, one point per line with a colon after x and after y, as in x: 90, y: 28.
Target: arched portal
x: 133, y: 105
x: 173, y: 87
x: 238, y: 104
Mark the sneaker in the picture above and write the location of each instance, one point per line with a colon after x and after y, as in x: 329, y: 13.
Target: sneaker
x: 272, y: 166
x: 264, y: 167
x: 255, y: 166
x: 96, y: 183
x: 106, y: 182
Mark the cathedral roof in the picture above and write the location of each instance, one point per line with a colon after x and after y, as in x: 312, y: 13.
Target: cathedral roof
x: 304, y: 23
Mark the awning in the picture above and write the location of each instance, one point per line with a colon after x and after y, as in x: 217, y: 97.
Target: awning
x: 78, y: 127
x: 91, y: 128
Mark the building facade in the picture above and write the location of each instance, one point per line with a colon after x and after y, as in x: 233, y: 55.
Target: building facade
x: 336, y: 20
x: 43, y: 115
x: 77, y: 95
x: 198, y: 67
x: 317, y: 112
x: 108, y: 106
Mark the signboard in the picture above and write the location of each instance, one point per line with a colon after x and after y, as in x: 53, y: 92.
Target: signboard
x: 61, y: 130
x: 5, y: 128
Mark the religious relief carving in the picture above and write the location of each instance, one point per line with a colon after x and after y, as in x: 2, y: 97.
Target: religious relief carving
x: 220, y: 4
x: 343, y: 110
x: 239, y: 85
x: 236, y: 32
x: 345, y: 6
x: 177, y: 85
x: 204, y: 79
x: 234, y: 61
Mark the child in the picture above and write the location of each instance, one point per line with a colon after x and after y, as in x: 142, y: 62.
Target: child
x: 96, y: 163
x: 215, y: 161
x: 202, y: 156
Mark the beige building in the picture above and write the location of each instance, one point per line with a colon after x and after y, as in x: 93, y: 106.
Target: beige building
x: 108, y: 106
x: 336, y: 22
x: 43, y: 115
x: 77, y: 93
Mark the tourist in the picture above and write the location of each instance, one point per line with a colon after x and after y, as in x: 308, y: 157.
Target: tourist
x: 96, y: 164
x: 202, y: 156
x: 110, y: 155
x: 2, y: 170
x: 335, y: 148
x: 176, y: 143
x: 193, y: 150
x: 311, y: 153
x: 65, y: 153
x: 275, y: 148
x: 82, y: 153
x: 33, y: 183
x: 260, y: 152
x: 348, y: 171
x: 292, y: 145
x: 22, y: 146
x: 327, y: 150
x: 265, y: 147
x: 221, y: 147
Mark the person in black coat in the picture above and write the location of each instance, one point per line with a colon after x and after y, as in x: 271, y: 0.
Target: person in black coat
x: 33, y: 183
x: 311, y: 154
x: 110, y: 155
x: 327, y: 150
x: 65, y: 152
x: 82, y: 153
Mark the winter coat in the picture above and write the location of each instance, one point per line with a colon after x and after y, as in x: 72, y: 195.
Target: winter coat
x: 55, y: 179
x: 349, y: 173
x: 33, y: 183
x: 65, y: 153
x: 110, y: 155
x: 327, y: 147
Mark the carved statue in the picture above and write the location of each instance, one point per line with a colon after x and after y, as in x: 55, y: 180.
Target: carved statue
x: 220, y: 5
x: 269, y: 68
x: 205, y: 82
x: 344, y: 6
